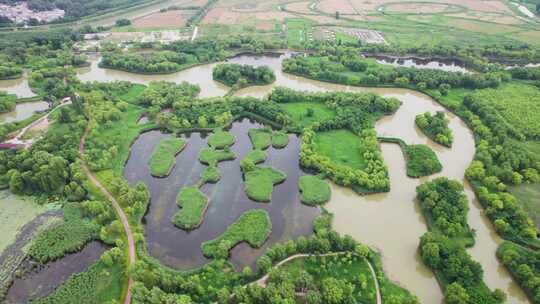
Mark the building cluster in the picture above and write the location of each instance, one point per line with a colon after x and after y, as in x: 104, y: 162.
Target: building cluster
x: 21, y: 13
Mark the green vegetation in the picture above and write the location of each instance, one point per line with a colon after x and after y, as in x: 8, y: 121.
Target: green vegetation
x: 9, y: 72
x: 298, y: 32
x: 523, y: 264
x: 152, y: 63
x: 260, y: 182
x: 221, y: 139
x: 347, y: 272
x: 163, y: 158
x: 193, y: 203
x: 241, y: 76
x: 304, y: 114
x: 253, y: 158
x: 67, y: 237
x: 211, y: 156
x: 7, y: 102
x: 260, y: 138
x: 521, y: 114
x: 529, y: 195
x: 314, y: 190
x: 435, y: 127
x: 100, y: 283
x: 342, y: 147
x: 421, y: 161
x: 445, y: 208
x: 280, y: 139
x: 210, y: 175
x: 253, y: 226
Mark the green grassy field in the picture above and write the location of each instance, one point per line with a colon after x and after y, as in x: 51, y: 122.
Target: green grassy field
x: 298, y: 31
x: 298, y: 111
x: 193, y: 203
x: 314, y: 190
x: 342, y: 147
x: 260, y: 138
x: 211, y: 156
x: 260, y: 183
x: 253, y: 226
x: 163, y: 157
x: 221, y: 139
x: 280, y: 139
x: 529, y: 195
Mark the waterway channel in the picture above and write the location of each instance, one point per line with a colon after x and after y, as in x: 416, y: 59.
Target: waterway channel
x: 390, y: 222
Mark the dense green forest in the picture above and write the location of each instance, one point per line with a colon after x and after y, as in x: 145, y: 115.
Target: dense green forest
x: 435, y: 127
x: 7, y: 102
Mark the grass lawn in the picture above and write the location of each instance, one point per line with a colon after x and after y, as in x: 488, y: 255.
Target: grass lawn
x: 163, y: 158
x: 193, y: 203
x: 298, y: 31
x: 298, y: 111
x: 256, y: 156
x: 211, y: 156
x: 342, y: 147
x: 260, y: 138
x: 529, y: 196
x: 221, y: 139
x: 260, y: 183
x: 421, y: 161
x: 133, y: 93
x: 253, y: 226
x: 280, y: 139
x: 314, y: 190
x: 349, y: 268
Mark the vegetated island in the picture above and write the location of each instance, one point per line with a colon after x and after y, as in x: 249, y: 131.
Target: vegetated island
x: 435, y: 127
x: 163, y: 158
x: 421, y: 161
x: 253, y: 226
x: 260, y: 182
x: 241, y: 76
x: 193, y: 203
x: 314, y: 190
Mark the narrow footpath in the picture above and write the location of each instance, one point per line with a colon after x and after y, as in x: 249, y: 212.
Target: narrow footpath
x: 119, y: 211
x: 262, y: 281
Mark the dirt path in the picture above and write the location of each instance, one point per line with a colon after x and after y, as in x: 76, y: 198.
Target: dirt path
x: 262, y: 281
x: 119, y: 211
x: 195, y: 31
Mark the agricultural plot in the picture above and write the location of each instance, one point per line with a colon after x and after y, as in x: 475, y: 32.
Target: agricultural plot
x: 298, y: 31
x: 168, y: 19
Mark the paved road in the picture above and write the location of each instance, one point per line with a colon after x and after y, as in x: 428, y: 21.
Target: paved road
x: 119, y: 211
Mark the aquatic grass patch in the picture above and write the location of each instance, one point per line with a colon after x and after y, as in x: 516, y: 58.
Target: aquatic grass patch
x: 221, y: 139
x: 260, y: 182
x: 163, y: 158
x: 421, y: 161
x: 280, y: 139
x: 313, y: 190
x: 253, y: 158
x: 212, y: 156
x: 261, y: 139
x: 67, y: 237
x: 253, y: 226
x: 193, y: 203
x: 210, y: 175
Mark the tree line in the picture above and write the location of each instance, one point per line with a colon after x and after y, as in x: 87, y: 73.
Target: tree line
x: 239, y: 76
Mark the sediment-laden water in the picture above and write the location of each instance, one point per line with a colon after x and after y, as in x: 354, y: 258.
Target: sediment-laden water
x: 23, y: 110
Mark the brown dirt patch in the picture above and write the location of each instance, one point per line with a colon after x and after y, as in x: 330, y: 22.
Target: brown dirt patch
x: 332, y: 6
x: 300, y: 7
x: 264, y: 25
x: 166, y: 19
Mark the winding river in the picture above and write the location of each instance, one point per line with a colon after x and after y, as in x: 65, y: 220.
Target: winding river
x: 390, y: 222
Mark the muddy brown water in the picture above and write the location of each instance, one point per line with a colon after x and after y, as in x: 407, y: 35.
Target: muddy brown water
x: 390, y: 222
x: 37, y: 284
x: 23, y: 110
x: 180, y: 249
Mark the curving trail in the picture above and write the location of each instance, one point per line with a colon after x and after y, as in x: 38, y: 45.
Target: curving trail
x: 262, y: 281
x: 119, y: 211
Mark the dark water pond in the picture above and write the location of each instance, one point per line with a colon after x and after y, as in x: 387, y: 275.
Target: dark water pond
x: 37, y: 284
x: 424, y: 63
x: 180, y: 249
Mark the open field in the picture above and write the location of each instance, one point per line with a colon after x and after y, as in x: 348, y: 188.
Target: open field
x: 168, y: 19
x: 529, y: 195
x: 342, y: 147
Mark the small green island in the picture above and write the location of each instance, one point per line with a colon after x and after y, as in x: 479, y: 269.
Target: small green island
x: 253, y: 226
x: 260, y: 182
x: 221, y: 139
x: 421, y: 161
x: 241, y: 76
x: 193, y: 203
x: 163, y: 158
x: 314, y: 190
x: 435, y: 127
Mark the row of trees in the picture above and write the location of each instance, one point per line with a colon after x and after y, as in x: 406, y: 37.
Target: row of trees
x: 435, y: 127
x: 7, y: 102
x: 9, y: 71
x: 524, y: 264
x: 149, y: 63
x: 241, y: 76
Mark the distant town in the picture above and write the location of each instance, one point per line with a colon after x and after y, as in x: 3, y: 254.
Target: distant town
x: 21, y: 13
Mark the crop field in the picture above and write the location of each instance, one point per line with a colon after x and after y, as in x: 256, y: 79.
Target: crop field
x: 168, y: 19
